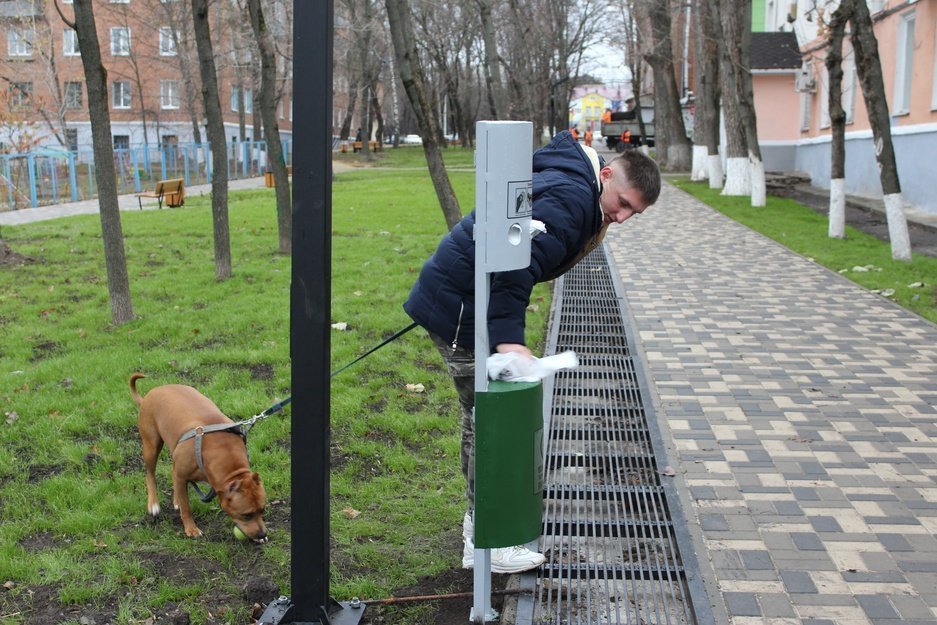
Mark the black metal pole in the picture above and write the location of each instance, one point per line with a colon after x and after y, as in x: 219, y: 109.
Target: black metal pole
x: 310, y: 305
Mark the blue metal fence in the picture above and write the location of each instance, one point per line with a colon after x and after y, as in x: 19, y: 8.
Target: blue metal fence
x: 46, y: 176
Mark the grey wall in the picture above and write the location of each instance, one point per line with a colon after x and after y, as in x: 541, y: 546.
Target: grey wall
x: 916, y: 155
x: 779, y: 157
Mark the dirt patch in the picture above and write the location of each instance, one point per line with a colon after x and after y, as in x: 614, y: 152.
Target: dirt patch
x: 439, y: 611
x: 923, y: 238
x: 10, y: 258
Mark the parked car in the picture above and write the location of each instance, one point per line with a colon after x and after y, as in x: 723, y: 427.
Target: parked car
x: 411, y: 140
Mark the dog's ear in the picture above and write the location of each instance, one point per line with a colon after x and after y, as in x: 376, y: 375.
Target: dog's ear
x: 256, y: 477
x: 233, y: 487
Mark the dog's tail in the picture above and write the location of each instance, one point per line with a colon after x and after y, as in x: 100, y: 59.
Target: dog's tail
x: 133, y: 388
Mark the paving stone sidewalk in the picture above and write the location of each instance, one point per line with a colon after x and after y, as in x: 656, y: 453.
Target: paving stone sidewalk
x: 800, y: 412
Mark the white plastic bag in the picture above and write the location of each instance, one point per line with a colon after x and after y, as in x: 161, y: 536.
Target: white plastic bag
x: 514, y: 367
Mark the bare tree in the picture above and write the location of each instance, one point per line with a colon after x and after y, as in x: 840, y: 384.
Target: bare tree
x: 177, y: 17
x: 738, y: 166
x: 414, y: 82
x: 707, y: 164
x: 869, y: 67
x: 216, y: 137
x: 452, y: 53
x: 737, y: 33
x: 636, y: 63
x: 834, y: 65
x: 673, y: 147
x: 118, y: 283
x: 268, y: 110
x: 496, y: 98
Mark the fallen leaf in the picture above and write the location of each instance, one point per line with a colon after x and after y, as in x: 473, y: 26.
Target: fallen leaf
x: 416, y: 388
x: 11, y: 417
x: 359, y: 293
x: 888, y: 292
x: 668, y: 471
x: 350, y: 512
x: 859, y: 268
x: 341, y: 326
x: 9, y: 585
x: 915, y: 285
x: 100, y: 544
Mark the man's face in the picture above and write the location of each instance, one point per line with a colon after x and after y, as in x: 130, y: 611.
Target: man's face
x: 619, y: 201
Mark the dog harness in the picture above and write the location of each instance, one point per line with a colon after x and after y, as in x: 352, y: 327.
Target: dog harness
x: 198, y: 433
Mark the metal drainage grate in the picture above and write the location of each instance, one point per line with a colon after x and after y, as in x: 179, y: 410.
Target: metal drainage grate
x: 608, y: 533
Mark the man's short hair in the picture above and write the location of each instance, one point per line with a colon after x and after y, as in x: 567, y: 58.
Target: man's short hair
x: 642, y: 173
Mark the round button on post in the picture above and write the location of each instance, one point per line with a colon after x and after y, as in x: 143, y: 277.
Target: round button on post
x: 514, y: 234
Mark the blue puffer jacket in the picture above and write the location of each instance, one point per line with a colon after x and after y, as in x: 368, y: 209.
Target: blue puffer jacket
x: 565, y: 198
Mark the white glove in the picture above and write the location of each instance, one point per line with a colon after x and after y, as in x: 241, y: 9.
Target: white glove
x: 514, y: 367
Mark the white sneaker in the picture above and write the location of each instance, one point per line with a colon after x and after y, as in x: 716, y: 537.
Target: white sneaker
x: 503, y: 560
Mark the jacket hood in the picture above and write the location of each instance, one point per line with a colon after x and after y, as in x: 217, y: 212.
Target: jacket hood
x: 565, y: 155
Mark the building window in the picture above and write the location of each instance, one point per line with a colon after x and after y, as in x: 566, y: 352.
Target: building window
x: 19, y: 42
x: 824, y: 98
x: 73, y: 95
x: 933, y: 95
x: 121, y: 142
x: 248, y: 106
x: 169, y: 94
x: 70, y: 43
x: 120, y: 41
x: 120, y: 96
x: 904, y: 57
x: 21, y: 94
x: 71, y: 138
x: 850, y: 87
x: 806, y: 103
x: 167, y: 43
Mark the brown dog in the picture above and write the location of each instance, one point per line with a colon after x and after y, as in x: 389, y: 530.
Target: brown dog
x: 168, y: 413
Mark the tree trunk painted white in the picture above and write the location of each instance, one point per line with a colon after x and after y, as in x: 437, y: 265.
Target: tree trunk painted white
x: 716, y: 175
x: 897, y: 227
x: 759, y: 193
x: 738, y: 176
x: 837, y: 208
x: 698, y: 169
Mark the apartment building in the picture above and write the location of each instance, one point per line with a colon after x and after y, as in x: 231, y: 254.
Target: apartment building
x: 907, y: 44
x: 154, y: 89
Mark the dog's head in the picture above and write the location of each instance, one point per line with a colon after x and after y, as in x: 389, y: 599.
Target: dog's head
x: 244, y: 500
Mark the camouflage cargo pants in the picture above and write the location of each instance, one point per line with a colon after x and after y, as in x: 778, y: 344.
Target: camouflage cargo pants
x: 461, y: 365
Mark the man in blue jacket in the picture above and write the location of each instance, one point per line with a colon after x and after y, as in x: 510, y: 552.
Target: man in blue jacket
x: 577, y: 197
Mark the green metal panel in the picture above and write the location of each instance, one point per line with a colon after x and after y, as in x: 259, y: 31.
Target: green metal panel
x: 508, y: 464
x: 758, y: 16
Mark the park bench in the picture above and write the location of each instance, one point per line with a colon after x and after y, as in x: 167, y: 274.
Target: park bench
x: 372, y: 145
x: 268, y: 176
x: 173, y: 191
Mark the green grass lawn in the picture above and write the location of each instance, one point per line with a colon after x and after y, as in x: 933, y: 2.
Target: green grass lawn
x: 409, y: 156
x: 76, y: 539
x: 804, y: 231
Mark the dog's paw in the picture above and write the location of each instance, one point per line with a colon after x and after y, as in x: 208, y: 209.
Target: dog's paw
x: 193, y: 533
x: 154, y: 509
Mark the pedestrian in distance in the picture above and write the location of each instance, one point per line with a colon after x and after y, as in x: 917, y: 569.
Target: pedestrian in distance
x: 576, y: 196
x: 588, y: 138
